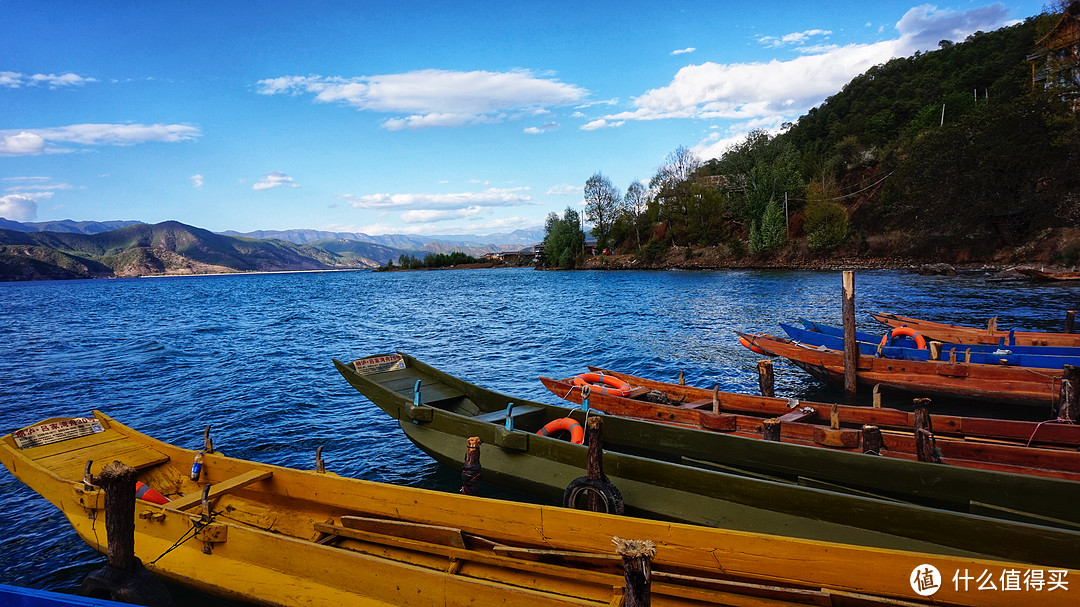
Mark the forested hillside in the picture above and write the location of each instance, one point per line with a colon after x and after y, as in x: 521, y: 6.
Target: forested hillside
x: 951, y: 155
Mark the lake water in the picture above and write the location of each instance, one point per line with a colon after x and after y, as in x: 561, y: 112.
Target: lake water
x: 250, y: 355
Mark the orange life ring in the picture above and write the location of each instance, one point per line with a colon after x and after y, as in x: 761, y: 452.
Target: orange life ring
x: 606, y: 384
x: 569, y: 424
x: 752, y: 347
x: 920, y: 342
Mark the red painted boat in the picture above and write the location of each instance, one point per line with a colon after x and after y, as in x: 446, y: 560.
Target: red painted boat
x: 1003, y: 445
x: 977, y: 335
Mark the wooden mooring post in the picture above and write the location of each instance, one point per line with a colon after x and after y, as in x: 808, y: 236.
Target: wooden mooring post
x: 594, y: 464
x: 770, y: 429
x: 1070, y: 318
x: 123, y: 578
x: 1068, y: 405
x: 765, y: 377
x: 851, y: 345
x: 637, y: 558
x: 871, y: 440
x: 470, y: 472
x: 924, y: 432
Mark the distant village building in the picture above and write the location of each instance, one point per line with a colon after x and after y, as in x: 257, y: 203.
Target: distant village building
x: 1056, y: 63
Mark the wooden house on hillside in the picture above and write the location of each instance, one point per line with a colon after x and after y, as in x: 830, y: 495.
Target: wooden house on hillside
x: 1056, y: 64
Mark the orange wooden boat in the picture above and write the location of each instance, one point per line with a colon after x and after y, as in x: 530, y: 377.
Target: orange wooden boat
x: 1013, y: 385
x: 855, y: 416
x: 811, y: 424
x: 977, y: 335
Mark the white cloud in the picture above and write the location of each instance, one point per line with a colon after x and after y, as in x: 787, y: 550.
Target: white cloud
x: 602, y: 123
x: 778, y: 91
x: 22, y: 143
x: 20, y: 207
x: 792, y: 39
x: 196, y: 181
x: 434, y: 215
x: 27, y: 184
x: 27, y: 142
x: 684, y: 51
x: 274, y: 179
x: 435, y: 98
x: 536, y: 130
x: 492, y: 197
x: 565, y: 189
x: 15, y: 80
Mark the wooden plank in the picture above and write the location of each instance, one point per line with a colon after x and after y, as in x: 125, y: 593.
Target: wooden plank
x: 798, y: 414
x: 433, y: 534
x: 1019, y: 515
x: 800, y: 596
x: 697, y: 404
x: 218, y: 489
x: 70, y: 464
x: 591, y: 561
x: 500, y: 416
x: 700, y: 463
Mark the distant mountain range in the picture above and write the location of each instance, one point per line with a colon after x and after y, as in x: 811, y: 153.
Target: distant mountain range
x: 89, y: 249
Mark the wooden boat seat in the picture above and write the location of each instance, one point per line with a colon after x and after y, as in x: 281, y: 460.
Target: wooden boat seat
x: 218, y: 489
x: 798, y: 414
x: 704, y: 403
x: 500, y: 416
x: 67, y: 459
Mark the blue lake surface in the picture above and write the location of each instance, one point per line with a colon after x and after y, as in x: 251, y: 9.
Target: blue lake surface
x: 250, y: 355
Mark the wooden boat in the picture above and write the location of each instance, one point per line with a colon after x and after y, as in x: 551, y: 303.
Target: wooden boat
x: 672, y: 473
x: 810, y: 424
x: 277, y: 536
x: 902, y: 347
x: 1043, y: 274
x: 1014, y: 385
x: 969, y: 429
x: 976, y: 335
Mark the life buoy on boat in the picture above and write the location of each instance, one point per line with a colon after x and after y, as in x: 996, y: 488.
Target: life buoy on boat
x: 920, y: 342
x: 752, y: 347
x: 606, y: 384
x: 569, y: 424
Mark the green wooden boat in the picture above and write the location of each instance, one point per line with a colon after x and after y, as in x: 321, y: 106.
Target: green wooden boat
x: 689, y: 475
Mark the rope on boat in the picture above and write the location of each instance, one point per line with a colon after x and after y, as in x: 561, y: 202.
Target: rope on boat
x: 190, y: 533
x: 1059, y: 420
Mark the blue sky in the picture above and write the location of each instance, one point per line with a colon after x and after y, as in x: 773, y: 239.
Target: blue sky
x: 408, y: 117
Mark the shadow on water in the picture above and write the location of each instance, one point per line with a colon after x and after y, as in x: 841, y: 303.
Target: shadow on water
x: 250, y: 356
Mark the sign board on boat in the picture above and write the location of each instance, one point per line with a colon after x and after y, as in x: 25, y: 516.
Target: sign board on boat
x: 379, y: 364
x: 56, y: 431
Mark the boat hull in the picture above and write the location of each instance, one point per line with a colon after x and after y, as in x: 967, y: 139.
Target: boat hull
x: 667, y: 472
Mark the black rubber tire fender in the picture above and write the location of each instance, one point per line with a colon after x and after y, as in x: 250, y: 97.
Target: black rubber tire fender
x: 609, y: 494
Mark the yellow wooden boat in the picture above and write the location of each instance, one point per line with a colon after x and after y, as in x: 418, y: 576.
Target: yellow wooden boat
x: 279, y: 536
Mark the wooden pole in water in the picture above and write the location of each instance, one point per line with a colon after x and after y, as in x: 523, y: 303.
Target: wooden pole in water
x: 1070, y: 317
x: 871, y: 439
x: 594, y: 466
x: 851, y: 346
x: 637, y: 570
x: 1068, y: 407
x: 118, y: 481
x: 924, y: 431
x: 770, y: 429
x: 765, y: 377
x: 470, y: 472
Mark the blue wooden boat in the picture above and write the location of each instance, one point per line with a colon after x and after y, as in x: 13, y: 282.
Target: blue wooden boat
x: 904, y: 347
